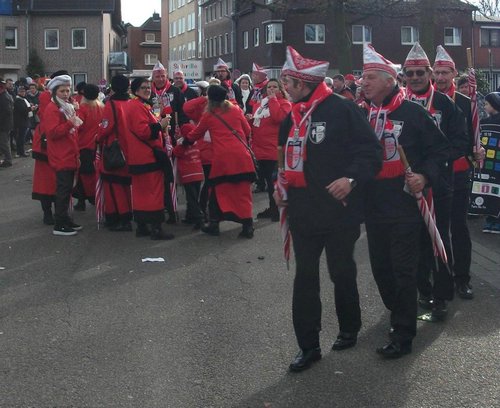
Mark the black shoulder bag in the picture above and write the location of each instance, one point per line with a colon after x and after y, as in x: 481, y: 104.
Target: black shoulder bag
x: 112, y: 155
x: 235, y: 132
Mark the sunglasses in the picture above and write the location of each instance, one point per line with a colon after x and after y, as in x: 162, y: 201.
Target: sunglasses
x: 419, y: 73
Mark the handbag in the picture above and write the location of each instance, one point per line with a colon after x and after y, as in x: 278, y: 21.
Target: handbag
x: 235, y: 132
x: 162, y: 159
x: 112, y: 154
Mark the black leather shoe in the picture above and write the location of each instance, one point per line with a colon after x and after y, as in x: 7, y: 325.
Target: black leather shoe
x: 395, y: 349
x: 464, y: 291
x: 425, y: 302
x: 304, y: 359
x: 211, y: 229
x: 142, y: 231
x: 246, y: 232
x: 345, y: 340
x: 439, y: 310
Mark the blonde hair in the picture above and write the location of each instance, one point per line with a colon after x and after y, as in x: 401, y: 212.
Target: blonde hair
x: 225, y: 105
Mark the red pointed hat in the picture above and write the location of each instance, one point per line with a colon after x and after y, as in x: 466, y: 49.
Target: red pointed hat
x: 443, y: 59
x: 259, y: 69
x: 417, y: 57
x: 373, y: 61
x: 158, y: 67
x: 308, y: 70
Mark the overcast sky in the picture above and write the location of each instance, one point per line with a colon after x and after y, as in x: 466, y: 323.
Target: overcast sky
x: 137, y: 12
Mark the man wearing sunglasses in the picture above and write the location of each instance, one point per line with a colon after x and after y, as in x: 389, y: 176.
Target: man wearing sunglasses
x: 419, y: 88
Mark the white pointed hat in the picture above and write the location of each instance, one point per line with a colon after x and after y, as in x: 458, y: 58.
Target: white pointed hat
x: 220, y: 65
x: 308, y: 70
x: 443, y: 59
x: 373, y: 61
x: 417, y: 57
x: 158, y: 67
x: 59, y: 80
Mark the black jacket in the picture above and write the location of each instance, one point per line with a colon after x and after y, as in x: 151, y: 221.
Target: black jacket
x: 6, y: 112
x: 21, y: 111
x: 427, y: 151
x: 349, y: 149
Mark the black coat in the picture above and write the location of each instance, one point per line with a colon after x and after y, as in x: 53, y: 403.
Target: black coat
x: 349, y: 149
x: 21, y: 111
x: 6, y: 112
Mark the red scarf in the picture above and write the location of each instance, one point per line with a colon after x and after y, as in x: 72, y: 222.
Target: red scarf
x: 257, y: 91
x: 230, y: 92
x: 388, y: 135
x: 160, y: 98
x: 295, y: 149
x: 451, y: 92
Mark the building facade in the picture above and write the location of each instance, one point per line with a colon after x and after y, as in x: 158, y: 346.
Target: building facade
x: 144, y: 44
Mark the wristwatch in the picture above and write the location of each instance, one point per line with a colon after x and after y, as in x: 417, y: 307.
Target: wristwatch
x: 352, y: 182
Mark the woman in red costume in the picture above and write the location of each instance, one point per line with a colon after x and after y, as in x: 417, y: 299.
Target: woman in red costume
x: 90, y: 112
x: 147, y: 161
x: 116, y: 182
x: 232, y: 171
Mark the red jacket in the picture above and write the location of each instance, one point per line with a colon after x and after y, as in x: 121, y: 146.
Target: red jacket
x: 265, y: 129
x: 92, y: 117
x: 145, y: 133
x: 188, y: 163
x: 194, y: 110
x: 108, y: 129
x: 230, y: 157
x: 62, y: 139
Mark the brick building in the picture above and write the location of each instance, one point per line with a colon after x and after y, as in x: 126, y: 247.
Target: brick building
x: 144, y: 45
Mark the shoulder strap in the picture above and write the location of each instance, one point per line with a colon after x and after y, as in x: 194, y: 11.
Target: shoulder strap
x: 114, y: 118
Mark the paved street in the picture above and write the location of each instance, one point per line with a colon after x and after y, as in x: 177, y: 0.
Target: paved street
x: 84, y: 323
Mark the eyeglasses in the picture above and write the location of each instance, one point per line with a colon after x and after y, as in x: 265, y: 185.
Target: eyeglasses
x: 178, y: 78
x: 419, y: 73
x: 145, y: 88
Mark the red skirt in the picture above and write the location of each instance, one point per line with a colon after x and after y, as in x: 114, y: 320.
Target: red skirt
x: 148, y: 201
x: 44, y: 181
x: 235, y: 198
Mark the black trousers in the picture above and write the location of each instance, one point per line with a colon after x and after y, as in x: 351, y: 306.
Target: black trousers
x: 20, y: 139
x: 394, y: 253
x: 204, y: 189
x: 266, y: 172
x: 193, y: 210
x: 460, y: 236
x: 306, y: 308
x: 442, y: 285
x: 64, y: 186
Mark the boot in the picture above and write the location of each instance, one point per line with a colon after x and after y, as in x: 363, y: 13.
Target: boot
x: 142, y: 230
x: 246, y: 231
x: 212, y: 228
x: 158, y: 234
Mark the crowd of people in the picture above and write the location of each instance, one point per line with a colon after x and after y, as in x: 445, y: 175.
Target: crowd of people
x: 349, y: 150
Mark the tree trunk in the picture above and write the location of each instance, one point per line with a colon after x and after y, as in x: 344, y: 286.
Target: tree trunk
x: 341, y: 41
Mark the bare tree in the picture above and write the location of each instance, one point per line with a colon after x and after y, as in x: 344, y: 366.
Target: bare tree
x: 488, y: 8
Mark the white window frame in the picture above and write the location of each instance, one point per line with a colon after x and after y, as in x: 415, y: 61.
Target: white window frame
x: 457, y: 33
x: 316, y: 28
x: 150, y: 37
x: 11, y: 47
x: 366, y: 32
x: 273, y: 31
x: 73, y: 30
x: 256, y: 36
x: 171, y: 5
x: 151, y: 59
x: 414, y: 35
x: 45, y: 32
x: 226, y: 43
x: 245, y: 40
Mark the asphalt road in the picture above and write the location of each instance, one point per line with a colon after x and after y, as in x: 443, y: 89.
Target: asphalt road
x: 84, y: 323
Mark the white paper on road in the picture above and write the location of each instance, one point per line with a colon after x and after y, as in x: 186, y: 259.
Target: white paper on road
x: 160, y: 259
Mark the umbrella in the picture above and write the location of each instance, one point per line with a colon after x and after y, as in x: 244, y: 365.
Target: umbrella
x: 427, y: 214
x: 99, y: 190
x: 281, y: 187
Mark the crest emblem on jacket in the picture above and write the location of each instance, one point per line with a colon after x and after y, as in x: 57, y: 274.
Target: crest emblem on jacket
x: 318, y: 132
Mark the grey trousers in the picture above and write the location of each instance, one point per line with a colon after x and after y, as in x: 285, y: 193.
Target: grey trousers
x: 5, y: 146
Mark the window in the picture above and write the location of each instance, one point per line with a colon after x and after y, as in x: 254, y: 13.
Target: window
x: 207, y: 55
x: 226, y: 7
x: 220, y: 9
x: 361, y: 34
x: 171, y: 5
x: 150, y: 37
x: 10, y: 37
x: 314, y: 33
x: 173, y: 26
x: 452, y: 36
x: 274, y: 33
x: 79, y: 38
x: 220, y: 45
x: 191, y: 21
x: 51, y: 39
x: 150, y: 59
x: 180, y: 3
x: 245, y: 39
x: 79, y: 77
x: 226, y: 43
x: 409, y: 35
x: 490, y: 37
x: 256, y: 33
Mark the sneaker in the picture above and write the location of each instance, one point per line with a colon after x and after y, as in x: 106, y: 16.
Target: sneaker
x: 495, y: 228
x: 64, y: 230
x: 74, y: 226
x: 487, y: 227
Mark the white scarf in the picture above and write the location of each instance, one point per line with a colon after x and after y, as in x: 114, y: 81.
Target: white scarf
x: 68, y: 110
x: 261, y: 112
